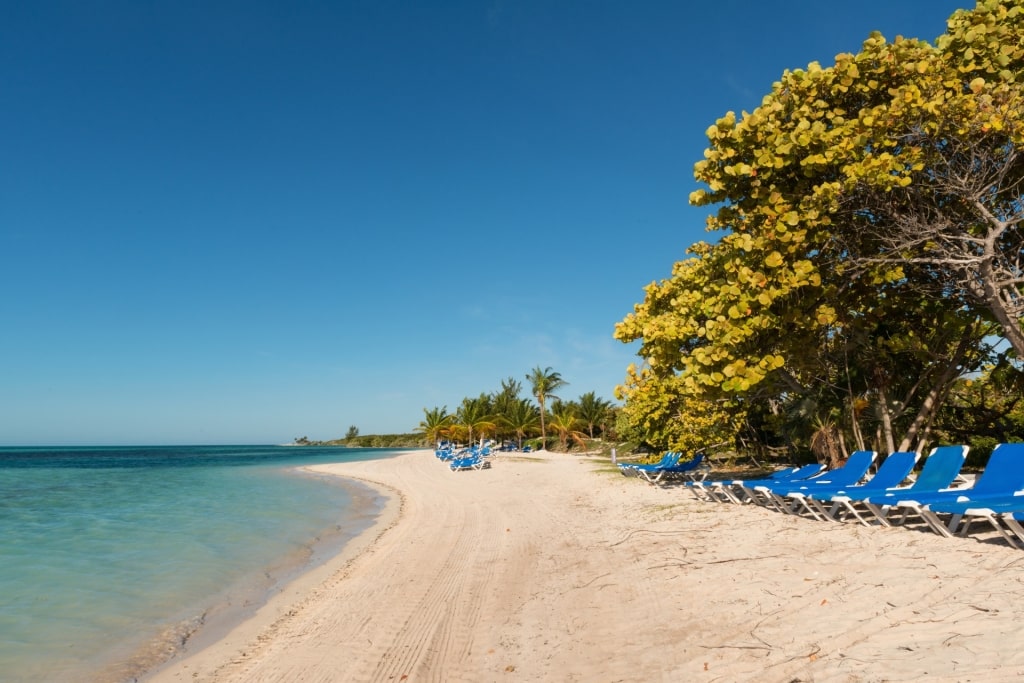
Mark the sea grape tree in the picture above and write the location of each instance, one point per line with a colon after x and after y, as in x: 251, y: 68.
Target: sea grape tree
x: 871, y: 205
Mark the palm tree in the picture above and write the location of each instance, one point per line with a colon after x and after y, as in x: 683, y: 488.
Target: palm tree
x: 435, y: 424
x: 474, y: 415
x: 522, y: 418
x: 543, y: 384
x: 504, y: 400
x: 565, y: 422
x: 509, y: 392
x: 592, y: 410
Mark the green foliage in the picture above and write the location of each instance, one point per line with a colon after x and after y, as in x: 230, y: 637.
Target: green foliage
x: 981, y: 448
x: 593, y: 412
x: 436, y: 424
x: 985, y: 410
x: 543, y: 385
x: 474, y: 418
x: 566, y: 422
x: 821, y: 292
x: 522, y: 418
x: 378, y: 441
x: 661, y: 415
x: 503, y: 415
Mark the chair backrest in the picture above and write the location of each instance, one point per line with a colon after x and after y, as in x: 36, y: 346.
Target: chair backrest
x: 691, y: 464
x: 799, y: 474
x: 853, y: 471
x: 1004, y: 471
x: 667, y: 459
x: 940, y: 468
x: 894, y: 469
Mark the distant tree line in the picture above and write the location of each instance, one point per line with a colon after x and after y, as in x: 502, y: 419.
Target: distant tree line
x: 507, y: 416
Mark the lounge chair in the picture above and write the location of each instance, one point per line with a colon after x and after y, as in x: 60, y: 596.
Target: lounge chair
x: 891, y: 473
x: 743, y: 490
x: 657, y: 475
x: 1002, y: 478
x: 961, y: 515
x: 633, y: 469
x: 940, y: 470
x: 476, y: 461
x: 856, y: 467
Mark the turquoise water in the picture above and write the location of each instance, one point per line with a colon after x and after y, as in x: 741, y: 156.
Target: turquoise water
x: 111, y: 557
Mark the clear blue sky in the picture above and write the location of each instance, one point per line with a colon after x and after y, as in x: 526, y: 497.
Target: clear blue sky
x: 244, y: 222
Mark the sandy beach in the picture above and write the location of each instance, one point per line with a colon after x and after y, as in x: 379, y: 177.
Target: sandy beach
x: 554, y: 567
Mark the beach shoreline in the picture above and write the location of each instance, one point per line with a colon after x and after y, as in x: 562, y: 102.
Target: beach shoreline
x: 210, y: 641
x: 555, y: 567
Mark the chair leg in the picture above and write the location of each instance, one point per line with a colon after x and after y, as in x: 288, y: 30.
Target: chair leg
x: 840, y: 510
x: 880, y: 512
x: 1011, y: 530
x: 934, y: 522
x: 806, y: 504
x: 820, y: 511
x: 848, y: 509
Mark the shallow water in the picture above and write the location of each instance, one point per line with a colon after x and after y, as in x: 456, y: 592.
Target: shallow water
x: 111, y: 557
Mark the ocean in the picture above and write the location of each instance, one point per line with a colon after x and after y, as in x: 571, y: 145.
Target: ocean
x: 111, y: 558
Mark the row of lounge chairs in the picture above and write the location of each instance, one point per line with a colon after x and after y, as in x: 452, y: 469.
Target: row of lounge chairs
x: 938, y: 496
x: 669, y: 468
x: 473, y: 458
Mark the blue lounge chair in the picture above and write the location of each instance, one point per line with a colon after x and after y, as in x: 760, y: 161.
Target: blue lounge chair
x: 475, y: 461
x: 743, y: 490
x: 960, y: 515
x: 940, y: 470
x: 856, y: 467
x: 891, y: 473
x: 633, y: 469
x: 1002, y: 477
x: 657, y: 475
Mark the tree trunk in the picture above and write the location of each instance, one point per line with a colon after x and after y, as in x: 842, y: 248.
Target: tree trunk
x: 825, y: 445
x: 543, y: 431
x: 858, y: 435
x: 935, y: 397
x: 883, y: 405
x: 988, y: 292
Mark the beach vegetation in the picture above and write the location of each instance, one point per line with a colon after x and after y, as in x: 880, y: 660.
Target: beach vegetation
x: 507, y: 418
x: 522, y: 418
x: 404, y: 440
x: 474, y: 419
x: 869, y: 233
x: 566, y: 423
x: 593, y: 411
x: 436, y: 424
x: 544, y: 382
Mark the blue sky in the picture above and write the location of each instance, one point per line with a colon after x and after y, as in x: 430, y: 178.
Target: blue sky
x: 244, y: 222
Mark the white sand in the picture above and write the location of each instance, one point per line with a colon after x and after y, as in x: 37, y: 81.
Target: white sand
x: 552, y: 567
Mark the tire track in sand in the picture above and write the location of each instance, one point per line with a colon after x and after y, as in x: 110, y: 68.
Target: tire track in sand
x: 443, y: 602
